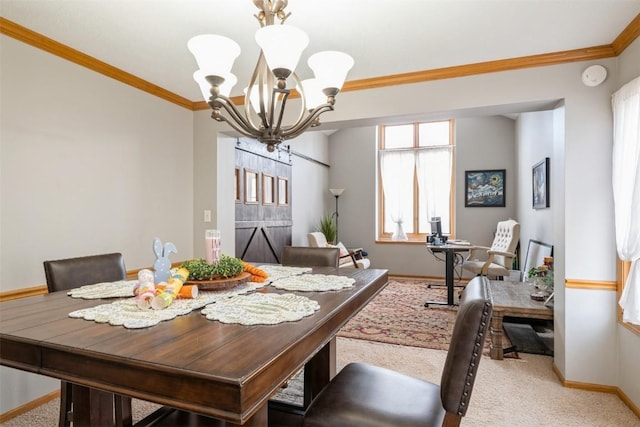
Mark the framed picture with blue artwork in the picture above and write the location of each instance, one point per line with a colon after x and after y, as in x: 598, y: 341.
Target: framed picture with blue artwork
x: 485, y: 188
x: 540, y: 180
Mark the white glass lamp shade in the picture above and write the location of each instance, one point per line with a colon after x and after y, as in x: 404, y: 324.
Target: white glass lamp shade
x: 313, y: 93
x: 224, y: 89
x: 336, y: 191
x: 215, y: 54
x: 282, y: 46
x: 330, y: 68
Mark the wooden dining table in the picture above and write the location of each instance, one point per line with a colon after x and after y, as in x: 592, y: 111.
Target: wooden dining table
x: 225, y: 371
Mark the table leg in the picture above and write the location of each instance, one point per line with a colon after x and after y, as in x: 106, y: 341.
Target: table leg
x: 259, y: 419
x: 449, y: 261
x: 91, y: 407
x: 319, y: 370
x: 495, y: 330
x: 449, y: 276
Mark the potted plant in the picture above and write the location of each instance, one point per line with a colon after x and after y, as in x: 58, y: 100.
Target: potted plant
x: 542, y: 277
x: 328, y: 227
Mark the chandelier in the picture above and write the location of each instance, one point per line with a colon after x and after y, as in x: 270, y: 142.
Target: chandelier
x: 267, y: 92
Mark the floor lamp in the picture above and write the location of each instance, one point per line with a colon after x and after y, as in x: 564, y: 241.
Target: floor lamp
x: 337, y: 192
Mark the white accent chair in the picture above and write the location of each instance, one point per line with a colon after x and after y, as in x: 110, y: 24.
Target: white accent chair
x: 499, y: 257
x: 349, y: 257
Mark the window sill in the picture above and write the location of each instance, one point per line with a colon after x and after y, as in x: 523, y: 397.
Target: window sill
x: 401, y: 242
x: 633, y: 328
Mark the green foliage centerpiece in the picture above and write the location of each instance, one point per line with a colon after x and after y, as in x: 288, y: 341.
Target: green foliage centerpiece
x: 225, y: 268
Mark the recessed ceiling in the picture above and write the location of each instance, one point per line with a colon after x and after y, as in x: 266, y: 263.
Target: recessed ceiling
x: 148, y: 38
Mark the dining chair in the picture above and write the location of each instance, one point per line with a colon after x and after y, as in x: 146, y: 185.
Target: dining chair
x: 366, y: 395
x: 304, y: 256
x: 71, y: 273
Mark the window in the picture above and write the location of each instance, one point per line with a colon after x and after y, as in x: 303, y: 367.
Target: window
x: 626, y: 163
x: 268, y: 189
x: 283, y: 191
x: 251, y: 187
x: 415, y: 168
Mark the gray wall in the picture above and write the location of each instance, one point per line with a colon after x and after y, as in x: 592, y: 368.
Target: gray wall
x: 481, y: 143
x: 88, y: 165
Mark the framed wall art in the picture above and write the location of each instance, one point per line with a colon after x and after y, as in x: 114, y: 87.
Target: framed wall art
x: 540, y: 180
x: 485, y: 188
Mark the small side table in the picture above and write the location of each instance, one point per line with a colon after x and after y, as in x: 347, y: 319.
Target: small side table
x: 512, y: 299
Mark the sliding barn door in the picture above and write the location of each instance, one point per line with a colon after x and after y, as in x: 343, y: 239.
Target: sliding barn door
x: 263, y: 203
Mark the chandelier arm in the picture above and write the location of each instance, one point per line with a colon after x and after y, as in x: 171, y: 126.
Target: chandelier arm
x: 298, y: 128
x: 251, y: 133
x: 233, y: 111
x: 256, y: 76
x: 271, y: 101
x: 283, y: 103
x: 303, y: 103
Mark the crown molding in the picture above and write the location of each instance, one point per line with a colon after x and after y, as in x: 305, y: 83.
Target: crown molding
x: 626, y: 37
x: 39, y: 41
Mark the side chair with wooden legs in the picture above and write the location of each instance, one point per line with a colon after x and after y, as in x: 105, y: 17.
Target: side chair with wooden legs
x: 365, y: 395
x: 72, y: 273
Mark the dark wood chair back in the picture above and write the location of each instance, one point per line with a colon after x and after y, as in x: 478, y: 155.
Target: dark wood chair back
x: 304, y: 256
x: 72, y: 273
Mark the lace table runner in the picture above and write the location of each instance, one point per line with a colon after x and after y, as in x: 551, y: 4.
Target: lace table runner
x: 313, y: 282
x: 126, y: 312
x: 261, y: 309
x: 277, y: 272
x: 272, y: 310
x: 119, y: 289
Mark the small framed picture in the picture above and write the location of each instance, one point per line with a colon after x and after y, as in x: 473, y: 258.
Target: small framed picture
x: 540, y: 187
x: 485, y: 188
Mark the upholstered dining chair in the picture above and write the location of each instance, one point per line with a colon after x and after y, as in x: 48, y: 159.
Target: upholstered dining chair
x: 349, y: 257
x: 71, y: 273
x: 499, y: 257
x: 365, y: 395
x: 304, y: 256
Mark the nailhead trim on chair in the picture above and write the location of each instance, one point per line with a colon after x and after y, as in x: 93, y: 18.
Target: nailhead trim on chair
x: 476, y: 354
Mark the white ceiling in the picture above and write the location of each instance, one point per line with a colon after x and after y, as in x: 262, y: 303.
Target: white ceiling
x: 148, y: 38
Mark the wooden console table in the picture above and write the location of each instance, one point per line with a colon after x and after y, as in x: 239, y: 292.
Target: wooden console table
x: 512, y: 299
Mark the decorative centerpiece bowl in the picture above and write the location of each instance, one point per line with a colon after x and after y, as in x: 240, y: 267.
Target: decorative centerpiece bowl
x: 227, y: 273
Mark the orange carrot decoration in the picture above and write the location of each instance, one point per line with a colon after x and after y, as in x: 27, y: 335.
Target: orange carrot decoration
x: 257, y: 275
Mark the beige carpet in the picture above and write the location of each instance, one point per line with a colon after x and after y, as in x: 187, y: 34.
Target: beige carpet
x: 512, y: 392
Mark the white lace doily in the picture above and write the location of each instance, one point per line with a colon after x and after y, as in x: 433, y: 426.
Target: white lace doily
x: 314, y: 282
x: 261, y: 309
x: 127, y: 313
x: 277, y: 272
x: 119, y: 289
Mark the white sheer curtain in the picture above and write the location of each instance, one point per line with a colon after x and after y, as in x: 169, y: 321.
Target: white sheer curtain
x: 397, y: 168
x: 626, y: 191
x: 432, y: 165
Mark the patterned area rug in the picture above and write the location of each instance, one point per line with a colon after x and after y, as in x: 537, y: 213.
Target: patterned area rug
x: 398, y: 316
